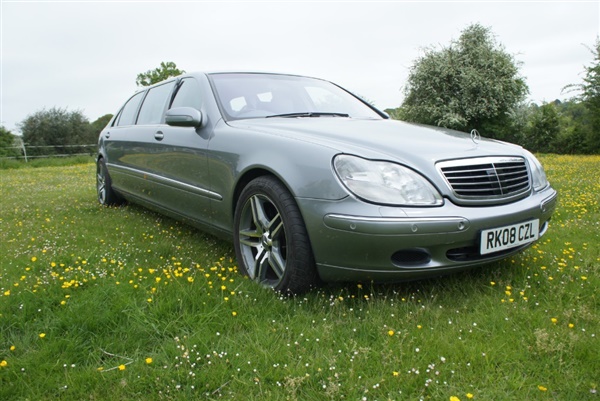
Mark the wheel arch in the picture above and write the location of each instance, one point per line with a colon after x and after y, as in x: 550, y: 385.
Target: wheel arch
x: 246, y: 178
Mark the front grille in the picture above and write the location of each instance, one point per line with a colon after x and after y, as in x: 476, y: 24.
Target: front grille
x: 487, y: 178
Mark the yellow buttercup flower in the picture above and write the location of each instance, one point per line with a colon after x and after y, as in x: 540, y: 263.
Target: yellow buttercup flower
x: 148, y: 361
x: 122, y: 367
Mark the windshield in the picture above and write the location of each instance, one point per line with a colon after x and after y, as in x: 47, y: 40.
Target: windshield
x: 243, y: 96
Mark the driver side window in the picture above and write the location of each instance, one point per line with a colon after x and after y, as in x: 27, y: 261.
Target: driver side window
x: 188, y: 95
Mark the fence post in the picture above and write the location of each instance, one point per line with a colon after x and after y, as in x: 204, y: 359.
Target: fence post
x: 23, y: 149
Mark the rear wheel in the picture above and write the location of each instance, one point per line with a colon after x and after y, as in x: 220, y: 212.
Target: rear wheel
x: 106, y: 195
x: 271, y: 241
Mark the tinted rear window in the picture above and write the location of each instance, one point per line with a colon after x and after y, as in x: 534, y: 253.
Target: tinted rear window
x: 129, y: 111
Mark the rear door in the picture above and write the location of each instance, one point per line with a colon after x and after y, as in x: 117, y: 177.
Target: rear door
x: 132, y: 146
x: 120, y: 144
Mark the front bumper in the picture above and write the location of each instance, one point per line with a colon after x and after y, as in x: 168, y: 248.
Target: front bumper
x: 353, y: 240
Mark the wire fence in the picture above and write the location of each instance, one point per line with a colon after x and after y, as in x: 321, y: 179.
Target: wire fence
x: 57, y: 151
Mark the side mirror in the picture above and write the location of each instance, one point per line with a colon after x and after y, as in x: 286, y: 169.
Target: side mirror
x: 183, y: 117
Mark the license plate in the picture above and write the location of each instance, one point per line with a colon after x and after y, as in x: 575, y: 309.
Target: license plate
x: 501, y: 238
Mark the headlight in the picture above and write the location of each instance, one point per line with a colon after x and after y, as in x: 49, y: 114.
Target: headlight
x: 538, y: 175
x: 384, y: 182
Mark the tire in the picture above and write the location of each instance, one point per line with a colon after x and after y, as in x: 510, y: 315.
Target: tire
x: 106, y: 195
x: 270, y: 238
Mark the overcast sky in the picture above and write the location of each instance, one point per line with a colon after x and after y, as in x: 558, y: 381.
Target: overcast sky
x: 85, y: 55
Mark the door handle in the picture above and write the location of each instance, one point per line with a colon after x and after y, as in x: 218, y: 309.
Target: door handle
x: 107, y: 135
x: 159, y: 135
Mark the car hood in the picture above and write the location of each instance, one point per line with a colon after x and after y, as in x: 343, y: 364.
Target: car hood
x: 382, y: 139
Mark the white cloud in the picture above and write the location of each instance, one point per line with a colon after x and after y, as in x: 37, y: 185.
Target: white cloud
x: 86, y: 55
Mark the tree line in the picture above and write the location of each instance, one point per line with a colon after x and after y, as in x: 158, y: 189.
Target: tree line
x: 475, y: 84
x: 58, y: 131
x: 53, y: 132
x: 472, y: 83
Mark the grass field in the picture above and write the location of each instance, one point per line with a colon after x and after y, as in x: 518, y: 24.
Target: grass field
x: 123, y: 304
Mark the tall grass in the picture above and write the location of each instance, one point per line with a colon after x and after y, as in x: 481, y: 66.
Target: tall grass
x: 121, y: 303
x: 6, y: 163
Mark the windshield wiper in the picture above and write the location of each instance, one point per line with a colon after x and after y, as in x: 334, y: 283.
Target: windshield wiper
x: 310, y: 114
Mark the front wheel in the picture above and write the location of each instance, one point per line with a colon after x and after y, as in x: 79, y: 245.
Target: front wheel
x: 271, y: 242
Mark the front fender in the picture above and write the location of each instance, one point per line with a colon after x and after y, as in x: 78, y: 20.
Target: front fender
x: 235, y: 155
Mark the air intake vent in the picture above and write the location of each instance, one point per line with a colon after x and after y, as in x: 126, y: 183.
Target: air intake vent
x: 487, y: 178
x: 411, y: 258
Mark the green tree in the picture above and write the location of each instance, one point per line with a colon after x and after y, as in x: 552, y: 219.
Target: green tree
x: 8, y: 144
x: 574, y: 127
x: 99, y: 124
x: 543, y: 127
x: 166, y: 70
x: 472, y: 83
x: 56, y: 131
x: 589, y: 96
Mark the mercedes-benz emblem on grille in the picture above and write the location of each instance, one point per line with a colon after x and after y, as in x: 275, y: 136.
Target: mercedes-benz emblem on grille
x: 475, y: 137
